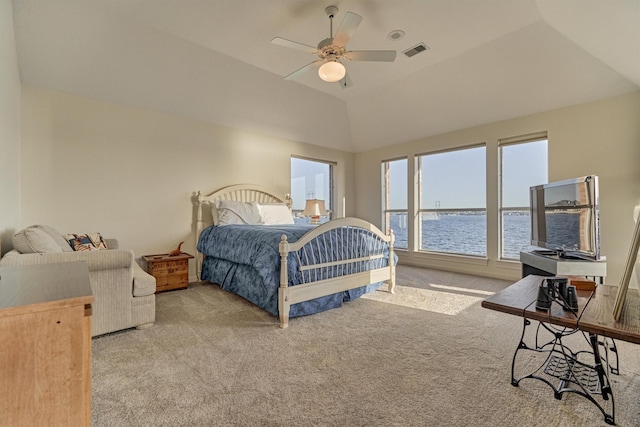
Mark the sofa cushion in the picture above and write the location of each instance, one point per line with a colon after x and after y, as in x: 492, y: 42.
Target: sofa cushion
x: 40, y: 239
x: 143, y: 283
x: 86, y: 242
x: 57, y: 236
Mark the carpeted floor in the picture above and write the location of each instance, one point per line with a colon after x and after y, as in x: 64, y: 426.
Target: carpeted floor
x: 428, y: 355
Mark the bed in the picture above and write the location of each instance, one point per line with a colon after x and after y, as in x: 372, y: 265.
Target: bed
x: 286, y: 269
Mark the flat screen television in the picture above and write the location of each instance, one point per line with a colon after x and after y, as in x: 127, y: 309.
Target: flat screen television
x: 565, y: 218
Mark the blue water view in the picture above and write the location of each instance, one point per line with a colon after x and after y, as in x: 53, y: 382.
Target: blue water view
x: 463, y: 233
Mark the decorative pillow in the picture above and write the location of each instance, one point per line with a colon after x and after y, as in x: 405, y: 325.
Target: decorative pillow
x: 36, y: 239
x: 232, y: 212
x: 86, y: 242
x: 275, y: 214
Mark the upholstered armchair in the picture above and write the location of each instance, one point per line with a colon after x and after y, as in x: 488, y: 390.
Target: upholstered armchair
x: 123, y: 293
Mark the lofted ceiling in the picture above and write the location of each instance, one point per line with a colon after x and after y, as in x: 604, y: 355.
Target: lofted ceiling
x: 213, y: 60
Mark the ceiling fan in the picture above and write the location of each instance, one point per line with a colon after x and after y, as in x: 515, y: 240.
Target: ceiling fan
x: 333, y: 52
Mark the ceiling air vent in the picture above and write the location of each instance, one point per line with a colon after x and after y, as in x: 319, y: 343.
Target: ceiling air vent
x: 416, y: 50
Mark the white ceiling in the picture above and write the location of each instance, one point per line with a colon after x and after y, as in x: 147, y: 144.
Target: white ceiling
x: 488, y: 60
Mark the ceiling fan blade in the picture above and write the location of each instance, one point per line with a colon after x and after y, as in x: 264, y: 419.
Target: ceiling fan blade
x: 348, y: 26
x: 372, y: 55
x: 301, y: 71
x: 294, y: 45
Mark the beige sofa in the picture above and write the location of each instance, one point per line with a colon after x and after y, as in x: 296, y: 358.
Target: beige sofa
x: 123, y: 293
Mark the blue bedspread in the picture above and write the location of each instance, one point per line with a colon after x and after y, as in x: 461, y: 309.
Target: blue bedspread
x: 245, y: 260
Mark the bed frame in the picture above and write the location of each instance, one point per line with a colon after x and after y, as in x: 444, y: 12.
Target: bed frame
x: 358, y: 266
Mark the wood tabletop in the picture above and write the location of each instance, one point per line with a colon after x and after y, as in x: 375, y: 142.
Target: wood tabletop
x: 594, y: 314
x: 520, y: 299
x: 515, y: 298
x: 598, y: 316
x: 44, y: 286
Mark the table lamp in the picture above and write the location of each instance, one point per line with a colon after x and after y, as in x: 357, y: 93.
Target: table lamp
x: 314, y: 209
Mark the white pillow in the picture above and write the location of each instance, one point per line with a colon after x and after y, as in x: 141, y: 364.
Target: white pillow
x: 232, y: 212
x: 275, y: 214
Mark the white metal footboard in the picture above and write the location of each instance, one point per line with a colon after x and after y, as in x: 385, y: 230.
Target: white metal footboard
x: 336, y: 268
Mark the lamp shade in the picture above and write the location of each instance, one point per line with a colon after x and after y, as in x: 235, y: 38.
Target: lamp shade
x: 314, y: 207
x: 331, y: 71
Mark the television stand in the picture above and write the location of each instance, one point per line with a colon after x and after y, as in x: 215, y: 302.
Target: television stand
x: 541, y: 264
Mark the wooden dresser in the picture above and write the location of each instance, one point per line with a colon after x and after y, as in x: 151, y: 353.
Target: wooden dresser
x: 45, y: 345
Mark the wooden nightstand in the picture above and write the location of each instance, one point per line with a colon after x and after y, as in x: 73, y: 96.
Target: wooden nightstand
x: 171, y: 272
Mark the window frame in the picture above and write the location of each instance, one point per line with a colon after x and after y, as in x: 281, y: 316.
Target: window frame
x: 420, y: 210
x: 502, y: 143
x: 386, y: 210
x: 331, y: 209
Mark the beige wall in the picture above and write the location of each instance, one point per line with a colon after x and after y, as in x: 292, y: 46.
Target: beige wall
x: 601, y: 138
x: 128, y: 173
x: 9, y: 129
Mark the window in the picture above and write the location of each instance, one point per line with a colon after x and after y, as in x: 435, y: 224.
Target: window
x: 311, y: 179
x: 523, y: 163
x: 394, y: 199
x: 453, y: 214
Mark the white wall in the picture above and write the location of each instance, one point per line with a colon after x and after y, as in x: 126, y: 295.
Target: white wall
x: 128, y: 173
x: 9, y: 129
x: 601, y: 138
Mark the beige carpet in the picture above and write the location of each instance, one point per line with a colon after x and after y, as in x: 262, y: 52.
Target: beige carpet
x: 428, y: 355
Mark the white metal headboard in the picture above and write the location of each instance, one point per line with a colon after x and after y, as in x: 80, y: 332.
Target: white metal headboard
x: 238, y: 193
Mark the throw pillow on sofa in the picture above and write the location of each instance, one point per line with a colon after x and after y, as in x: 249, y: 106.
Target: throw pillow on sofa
x: 86, y: 242
x: 40, y: 239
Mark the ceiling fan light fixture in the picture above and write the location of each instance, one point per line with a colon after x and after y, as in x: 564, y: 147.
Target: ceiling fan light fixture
x: 332, y: 71
x: 333, y: 50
